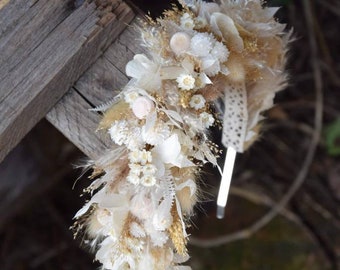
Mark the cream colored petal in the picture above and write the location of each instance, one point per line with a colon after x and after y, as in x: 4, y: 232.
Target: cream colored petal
x: 224, y: 26
x: 170, y: 73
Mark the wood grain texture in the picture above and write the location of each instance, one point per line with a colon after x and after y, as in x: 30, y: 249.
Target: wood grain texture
x: 21, y: 37
x: 105, y: 79
x: 99, y: 84
x: 125, y: 46
x: 74, y: 119
x: 40, y: 78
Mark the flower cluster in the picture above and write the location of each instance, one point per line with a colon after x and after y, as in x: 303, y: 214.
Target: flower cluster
x: 145, y: 188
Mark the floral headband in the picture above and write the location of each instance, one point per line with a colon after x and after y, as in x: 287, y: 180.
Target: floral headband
x: 145, y: 187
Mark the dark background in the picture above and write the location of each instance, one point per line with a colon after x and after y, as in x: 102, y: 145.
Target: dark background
x: 39, y: 198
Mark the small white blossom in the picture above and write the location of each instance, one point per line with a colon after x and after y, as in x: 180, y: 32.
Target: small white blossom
x: 130, y: 96
x: 155, y: 135
x: 211, y: 65
x: 207, y: 119
x: 119, y: 132
x: 200, y: 22
x: 185, y: 82
x: 140, y: 156
x: 137, y: 230
x: 197, y: 102
x: 220, y: 52
x: 187, y: 22
x: 135, y: 168
x: 159, y: 238
x: 201, y: 44
x: 134, y: 245
x: 149, y: 169
x: 133, y: 179
x: 148, y: 180
x: 134, y: 140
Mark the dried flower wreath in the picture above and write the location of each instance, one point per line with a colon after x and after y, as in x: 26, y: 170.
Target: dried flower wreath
x: 145, y: 189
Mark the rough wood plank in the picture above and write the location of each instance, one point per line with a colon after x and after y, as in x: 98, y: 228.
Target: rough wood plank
x: 72, y: 117
x: 17, y: 40
x: 96, y: 86
x: 11, y: 11
x: 53, y: 66
x: 107, y: 77
x: 60, y: 45
x: 101, y: 82
x: 125, y: 47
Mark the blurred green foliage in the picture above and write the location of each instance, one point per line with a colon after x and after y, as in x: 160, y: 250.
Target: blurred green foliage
x: 332, y: 138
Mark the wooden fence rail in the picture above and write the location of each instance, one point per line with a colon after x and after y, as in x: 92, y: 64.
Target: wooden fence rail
x: 45, y: 46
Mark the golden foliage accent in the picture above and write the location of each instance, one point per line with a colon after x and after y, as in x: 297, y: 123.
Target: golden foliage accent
x: 119, y: 111
x: 176, y: 233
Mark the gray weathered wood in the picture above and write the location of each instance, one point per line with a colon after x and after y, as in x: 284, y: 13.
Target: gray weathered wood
x: 45, y: 69
x: 74, y: 119
x: 17, y: 40
x: 125, y: 47
x: 101, y: 82
x: 96, y: 86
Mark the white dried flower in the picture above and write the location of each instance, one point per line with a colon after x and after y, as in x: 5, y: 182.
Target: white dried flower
x: 201, y: 44
x: 200, y: 22
x: 149, y: 169
x: 207, y: 119
x: 135, y: 245
x: 137, y: 230
x: 133, y: 179
x: 119, y: 132
x: 142, y: 206
x: 130, y: 96
x: 162, y: 218
x: 104, y: 216
x: 159, y: 238
x: 211, y: 65
x: 162, y: 221
x: 187, y: 22
x: 140, y: 156
x: 155, y: 135
x: 185, y: 82
x: 197, y: 102
x: 220, y: 52
x: 142, y: 106
x: 145, y: 71
x: 148, y: 180
x: 135, y: 168
x: 134, y: 141
x: 180, y: 42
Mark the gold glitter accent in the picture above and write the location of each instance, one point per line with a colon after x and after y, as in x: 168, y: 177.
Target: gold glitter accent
x: 176, y: 233
x: 250, y: 44
x: 158, y: 98
x: 184, y: 98
x: 215, y: 149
